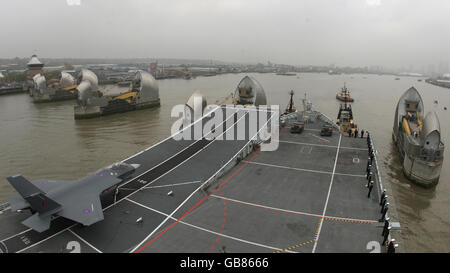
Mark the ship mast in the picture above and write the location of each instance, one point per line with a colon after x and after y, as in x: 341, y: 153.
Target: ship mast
x: 291, y: 103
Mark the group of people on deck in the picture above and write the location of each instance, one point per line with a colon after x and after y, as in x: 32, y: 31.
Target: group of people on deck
x: 353, y: 132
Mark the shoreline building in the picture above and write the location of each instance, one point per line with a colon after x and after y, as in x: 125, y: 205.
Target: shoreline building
x: 35, y: 66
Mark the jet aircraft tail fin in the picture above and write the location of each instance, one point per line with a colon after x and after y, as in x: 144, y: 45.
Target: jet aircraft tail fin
x: 32, y: 195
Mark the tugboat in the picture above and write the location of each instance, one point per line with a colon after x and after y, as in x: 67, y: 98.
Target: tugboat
x: 344, y: 95
x: 418, y: 140
x: 345, y: 119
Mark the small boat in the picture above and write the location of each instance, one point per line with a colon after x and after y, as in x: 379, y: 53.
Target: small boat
x: 344, y: 95
x: 283, y: 73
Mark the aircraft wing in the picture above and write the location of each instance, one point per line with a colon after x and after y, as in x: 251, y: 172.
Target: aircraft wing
x: 46, y: 185
x: 17, y: 202
x: 100, y: 182
x: 85, y: 210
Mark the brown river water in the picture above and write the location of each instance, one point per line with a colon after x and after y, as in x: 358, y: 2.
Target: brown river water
x: 44, y: 140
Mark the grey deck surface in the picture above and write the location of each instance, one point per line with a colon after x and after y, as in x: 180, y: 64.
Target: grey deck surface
x: 275, y: 202
x: 295, y: 199
x: 187, y: 163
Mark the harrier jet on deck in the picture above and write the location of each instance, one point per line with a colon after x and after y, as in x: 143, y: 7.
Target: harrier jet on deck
x: 76, y: 200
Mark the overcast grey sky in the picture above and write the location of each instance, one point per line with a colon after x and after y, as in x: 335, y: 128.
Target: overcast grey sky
x: 318, y: 32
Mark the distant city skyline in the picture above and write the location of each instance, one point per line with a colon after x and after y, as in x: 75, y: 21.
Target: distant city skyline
x: 392, y: 34
x: 430, y: 69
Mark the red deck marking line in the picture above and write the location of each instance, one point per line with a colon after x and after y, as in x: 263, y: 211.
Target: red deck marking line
x: 203, y: 199
x: 225, y: 214
x: 298, y: 212
x: 196, y: 205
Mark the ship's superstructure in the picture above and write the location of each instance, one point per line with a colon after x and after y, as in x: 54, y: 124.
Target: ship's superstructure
x: 345, y: 119
x: 344, y: 95
x: 290, y: 107
x: 418, y: 139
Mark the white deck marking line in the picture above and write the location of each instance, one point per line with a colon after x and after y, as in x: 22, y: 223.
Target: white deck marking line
x: 17, y: 234
x: 323, y: 139
x: 51, y: 236
x: 140, y: 175
x: 41, y: 241
x: 162, y: 162
x: 176, y: 209
x: 169, y: 171
x: 180, y: 131
x: 354, y: 175
x: 328, y: 195
x: 163, y: 186
x: 292, y: 211
x: 171, y: 185
x: 6, y: 248
x: 204, y: 183
x: 84, y: 241
x: 321, y: 145
x: 207, y: 230
x: 249, y: 109
x: 302, y: 170
x: 213, y: 110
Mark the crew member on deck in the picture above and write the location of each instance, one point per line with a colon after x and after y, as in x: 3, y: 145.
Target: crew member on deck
x: 369, y: 176
x: 392, y: 246
x: 382, y: 198
x: 383, y: 203
x: 386, y: 225
x: 386, y: 235
x: 370, y: 188
x: 385, y: 209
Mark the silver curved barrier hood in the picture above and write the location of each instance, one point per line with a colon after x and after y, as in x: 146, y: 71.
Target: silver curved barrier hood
x: 147, y: 86
x: 250, y: 91
x: 87, y: 87
x: 412, y: 95
x: 431, y: 131
x: 39, y: 83
x: 66, y: 80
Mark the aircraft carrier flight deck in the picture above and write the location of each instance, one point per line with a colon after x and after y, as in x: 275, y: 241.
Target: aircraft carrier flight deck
x: 217, y: 196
